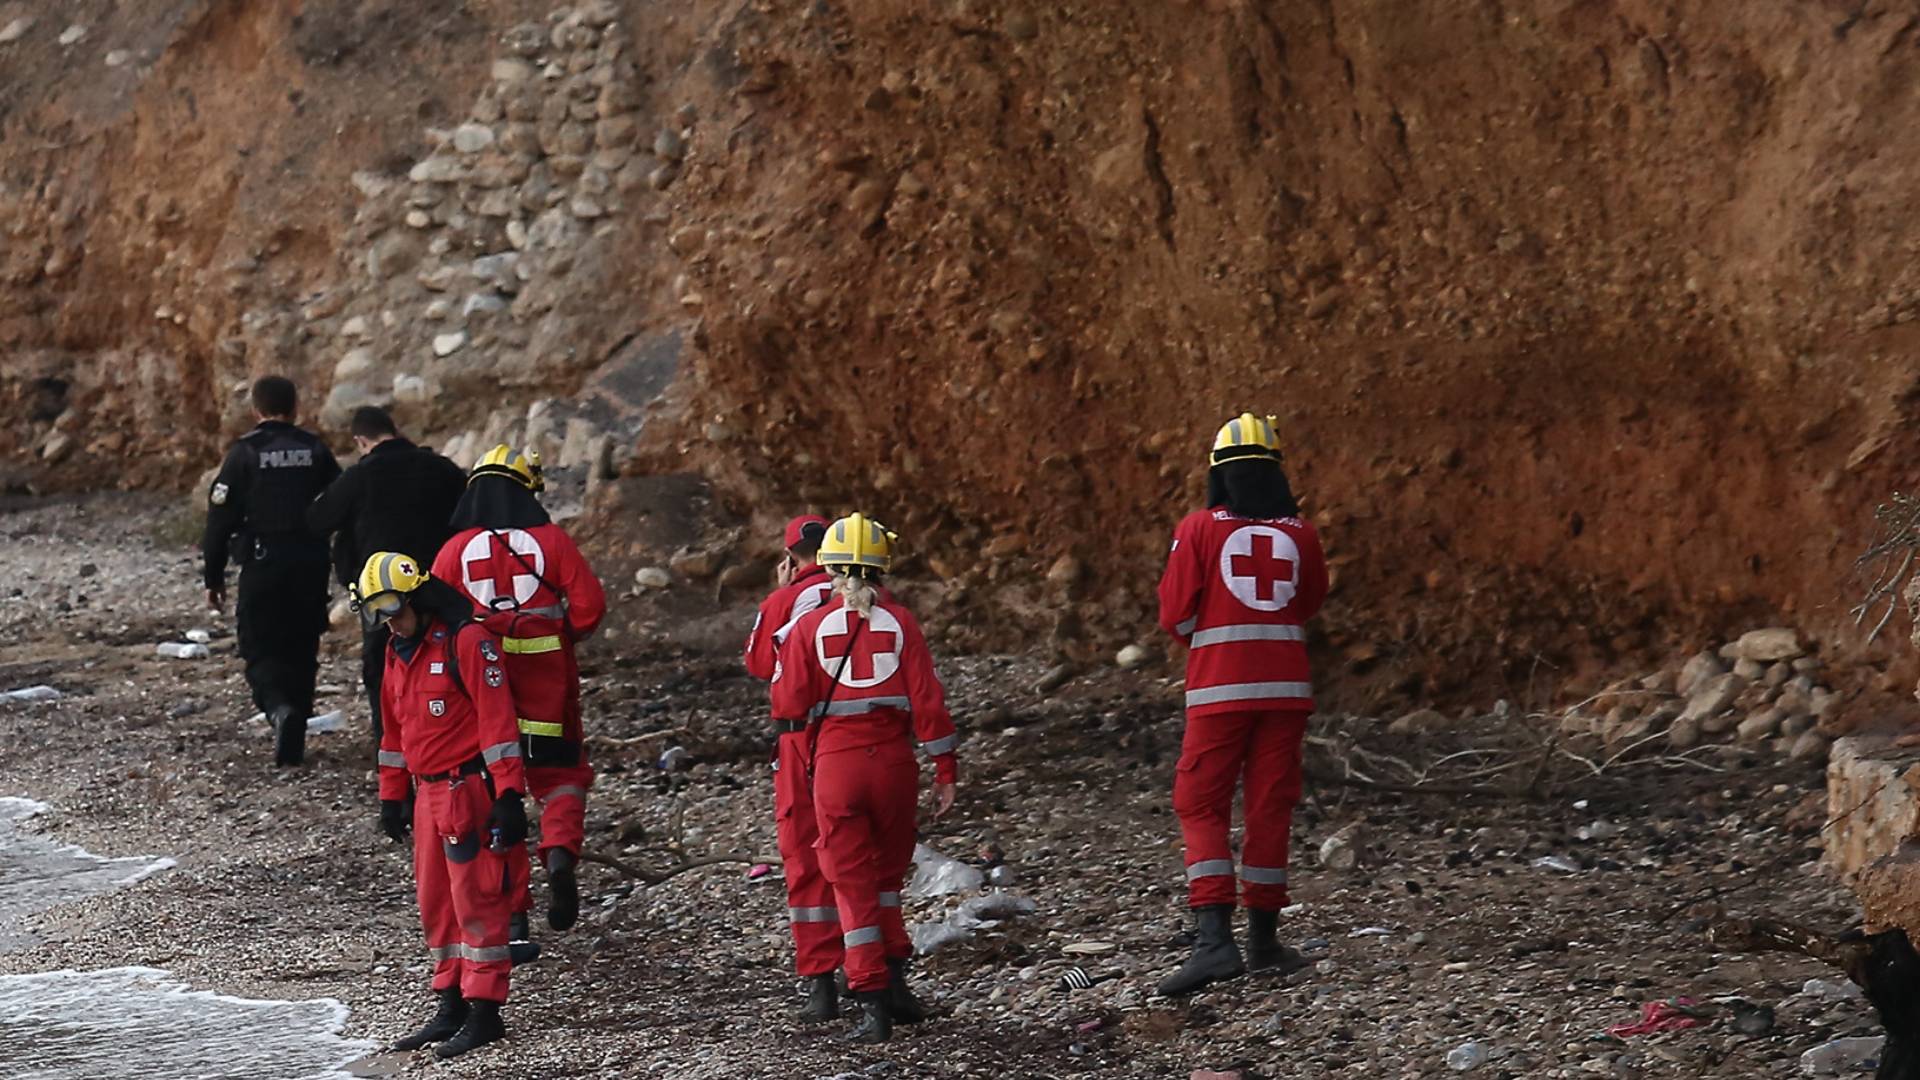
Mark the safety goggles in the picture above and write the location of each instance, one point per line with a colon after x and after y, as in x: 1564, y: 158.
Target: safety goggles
x: 377, y: 609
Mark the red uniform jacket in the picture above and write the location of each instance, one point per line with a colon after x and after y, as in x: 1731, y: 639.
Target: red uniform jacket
x: 1238, y: 591
x: 433, y: 724
x: 778, y: 612
x: 887, y: 685
x: 540, y: 597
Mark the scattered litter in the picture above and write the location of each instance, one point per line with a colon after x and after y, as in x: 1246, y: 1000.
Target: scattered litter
x: 1372, y: 931
x: 1556, y: 862
x: 1600, y: 830
x: 1843, y: 1056
x: 182, y: 650
x: 1078, y: 978
x: 1341, y: 851
x: 1315, y: 945
x: 31, y: 693
x: 1001, y: 876
x: 1674, y: 1014
x: 1467, y: 1057
x: 1831, y: 991
x: 326, y: 721
x: 200, y: 636
x: 1751, y: 1019
x: 758, y: 871
x: 936, y: 875
x: 975, y: 913
x: 1089, y: 948
x: 674, y: 757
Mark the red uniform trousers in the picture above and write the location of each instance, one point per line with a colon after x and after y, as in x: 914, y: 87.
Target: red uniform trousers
x: 561, y: 791
x: 810, y: 905
x: 864, y: 799
x: 465, y: 887
x: 1217, y: 752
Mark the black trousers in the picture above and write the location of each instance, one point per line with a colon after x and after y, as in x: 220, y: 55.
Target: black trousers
x: 373, y: 664
x: 282, y: 611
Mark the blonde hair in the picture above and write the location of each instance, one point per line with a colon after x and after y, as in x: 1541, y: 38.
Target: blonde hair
x: 856, y: 592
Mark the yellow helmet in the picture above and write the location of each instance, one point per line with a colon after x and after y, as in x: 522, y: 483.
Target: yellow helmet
x: 1246, y: 436
x: 857, y: 541
x: 504, y: 460
x: 384, y: 584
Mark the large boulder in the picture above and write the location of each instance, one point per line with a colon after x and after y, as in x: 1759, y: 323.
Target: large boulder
x: 1873, y: 802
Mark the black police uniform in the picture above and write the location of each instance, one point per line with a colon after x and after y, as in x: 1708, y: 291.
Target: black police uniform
x: 397, y: 497
x: 256, y: 512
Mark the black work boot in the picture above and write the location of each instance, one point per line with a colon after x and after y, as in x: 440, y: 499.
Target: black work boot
x: 1264, y: 951
x: 1214, y: 957
x: 289, y: 735
x: 521, y: 950
x: 876, y: 1021
x: 482, y: 1027
x: 823, y: 999
x: 906, y: 1008
x: 446, y: 1020
x: 563, y: 901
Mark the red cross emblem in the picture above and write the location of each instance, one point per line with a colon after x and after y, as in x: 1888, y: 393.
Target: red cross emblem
x: 875, y: 647
x: 1265, y: 568
x: 502, y: 566
x: 1260, y: 564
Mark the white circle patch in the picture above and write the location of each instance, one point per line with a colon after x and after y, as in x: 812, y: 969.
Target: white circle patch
x: 494, y: 570
x: 875, y: 653
x: 1261, y: 567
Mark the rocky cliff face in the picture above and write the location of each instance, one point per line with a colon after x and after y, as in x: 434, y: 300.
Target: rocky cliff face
x: 1588, y: 325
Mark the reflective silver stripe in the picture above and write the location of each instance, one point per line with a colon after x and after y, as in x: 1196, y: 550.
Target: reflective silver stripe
x: 1263, y: 875
x: 889, y: 899
x: 1210, y: 868
x: 866, y: 935
x: 492, y: 754
x: 1185, y: 626
x: 1215, y: 635
x: 1249, y: 691
x: 857, y: 706
x: 551, y: 611
x: 489, y: 954
x: 943, y: 745
x: 393, y: 759
x: 813, y: 914
x: 810, y: 598
x: 564, y: 790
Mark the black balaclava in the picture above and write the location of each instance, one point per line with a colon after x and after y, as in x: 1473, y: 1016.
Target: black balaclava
x: 434, y: 601
x: 498, y: 502
x: 1252, y: 487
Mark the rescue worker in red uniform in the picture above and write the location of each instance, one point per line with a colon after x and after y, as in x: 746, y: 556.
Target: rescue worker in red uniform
x: 1243, y: 578
x: 815, y: 921
x: 449, y: 746
x: 539, y: 596
x: 855, y: 678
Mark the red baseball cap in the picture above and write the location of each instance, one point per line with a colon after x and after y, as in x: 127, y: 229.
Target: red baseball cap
x: 798, y: 525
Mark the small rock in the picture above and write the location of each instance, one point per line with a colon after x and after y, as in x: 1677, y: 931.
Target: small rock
x: 1131, y: 657
x: 1806, y: 665
x: 1769, y: 645
x: 438, y: 312
x: 1778, y: 674
x: 1055, y: 677
x: 669, y: 146
x: 1660, y: 682
x: 586, y: 208
x: 1341, y: 851
x: 1759, y: 727
x: 1022, y: 26
x: 1419, y: 722
x: 1698, y: 670
x: 118, y: 57
x: 1712, y: 697
x: 72, y: 34
x: 1467, y: 1057
x: 472, y: 138
x: 1065, y: 571
x: 16, y: 30
x: 1810, y: 746
x: 1684, y: 734
x: 1795, y: 726
x: 448, y: 344
x: 652, y: 577
x: 663, y: 176
x: 696, y: 565
x: 1749, y: 669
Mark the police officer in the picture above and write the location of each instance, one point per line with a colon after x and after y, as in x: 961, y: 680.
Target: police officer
x: 397, y: 497
x: 256, y: 513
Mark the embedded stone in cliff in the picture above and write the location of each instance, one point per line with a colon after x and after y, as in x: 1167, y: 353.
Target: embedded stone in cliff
x: 448, y: 344
x: 73, y: 34
x: 16, y: 30
x: 669, y: 146
x: 472, y: 138
x: 1769, y: 645
x: 598, y: 13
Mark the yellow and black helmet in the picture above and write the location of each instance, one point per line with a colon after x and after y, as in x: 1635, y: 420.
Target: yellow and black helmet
x: 384, y: 584
x: 504, y: 460
x: 1246, y: 436
x: 857, y: 541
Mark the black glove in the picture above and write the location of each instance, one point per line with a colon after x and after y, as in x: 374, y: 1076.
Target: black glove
x: 396, y: 817
x: 508, y: 820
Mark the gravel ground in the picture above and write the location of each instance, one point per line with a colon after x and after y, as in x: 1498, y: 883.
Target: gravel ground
x: 286, y: 890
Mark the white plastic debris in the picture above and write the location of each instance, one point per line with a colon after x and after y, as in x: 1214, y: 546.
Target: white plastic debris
x: 1831, y: 990
x: 1372, y: 931
x: 1467, y: 1057
x: 1599, y: 830
x: 1556, y: 862
x: 182, y: 651
x: 936, y: 875
x: 326, y: 721
x: 1842, y: 1056
x: 31, y: 693
x: 201, y: 636
x: 974, y: 914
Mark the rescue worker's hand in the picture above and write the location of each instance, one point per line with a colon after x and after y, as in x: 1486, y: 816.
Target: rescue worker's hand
x: 943, y: 795
x: 784, y: 575
x: 217, y: 599
x: 509, y: 819
x: 394, y: 819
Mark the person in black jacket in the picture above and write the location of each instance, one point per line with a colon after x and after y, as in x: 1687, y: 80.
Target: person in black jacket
x: 256, y: 515
x: 397, y: 497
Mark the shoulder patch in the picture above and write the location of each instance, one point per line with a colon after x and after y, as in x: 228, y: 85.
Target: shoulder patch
x: 488, y: 652
x: 494, y: 676
x: 218, y: 496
